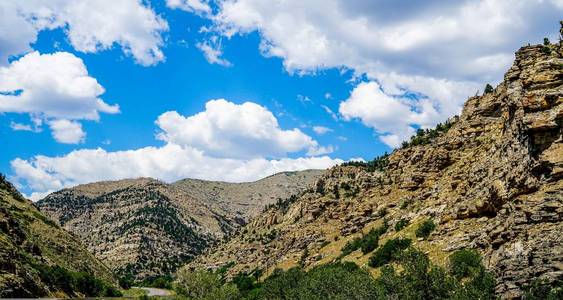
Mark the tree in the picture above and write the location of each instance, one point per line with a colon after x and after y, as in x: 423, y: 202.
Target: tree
x: 204, y: 285
x: 488, y: 89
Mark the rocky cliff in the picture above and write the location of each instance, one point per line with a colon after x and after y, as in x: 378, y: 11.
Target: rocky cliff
x: 145, y: 227
x: 491, y: 180
x: 31, y: 243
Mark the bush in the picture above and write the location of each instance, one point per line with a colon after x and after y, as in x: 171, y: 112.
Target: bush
x: 204, y: 285
x: 539, y: 290
x: 332, y: 281
x: 402, y: 223
x: 388, y: 252
x: 464, y: 263
x: 367, y: 243
x: 379, y: 163
x: 75, y: 282
x: 422, y: 280
x: 425, y: 229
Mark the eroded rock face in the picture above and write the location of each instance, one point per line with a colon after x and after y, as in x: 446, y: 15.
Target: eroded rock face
x: 492, y: 182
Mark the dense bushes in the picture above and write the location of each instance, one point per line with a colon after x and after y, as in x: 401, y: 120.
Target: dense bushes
x: 332, y: 281
x: 425, y: 229
x: 75, y: 282
x: 388, y: 252
x: 203, y: 285
x: 418, y: 278
x: 426, y: 136
x: 367, y: 243
x: 422, y: 280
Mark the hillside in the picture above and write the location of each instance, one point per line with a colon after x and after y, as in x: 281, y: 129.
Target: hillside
x: 490, y: 179
x: 32, y: 246
x: 146, y: 228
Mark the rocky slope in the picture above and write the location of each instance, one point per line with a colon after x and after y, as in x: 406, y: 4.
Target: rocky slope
x: 31, y: 242
x: 492, y: 182
x: 144, y: 227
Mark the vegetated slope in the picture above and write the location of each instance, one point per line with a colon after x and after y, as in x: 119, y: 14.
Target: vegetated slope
x: 144, y: 228
x: 31, y: 245
x: 490, y: 180
x: 247, y: 199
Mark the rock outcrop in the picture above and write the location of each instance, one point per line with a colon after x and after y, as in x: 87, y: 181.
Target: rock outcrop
x: 492, y: 182
x: 145, y: 228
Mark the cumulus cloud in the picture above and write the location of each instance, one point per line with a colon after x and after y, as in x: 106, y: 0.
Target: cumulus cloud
x: 196, y: 6
x: 52, y: 87
x: 226, y: 129
x: 439, y: 51
x: 90, y: 25
x: 227, y: 142
x: 67, y: 132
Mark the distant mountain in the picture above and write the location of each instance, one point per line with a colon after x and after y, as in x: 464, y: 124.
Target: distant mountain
x: 144, y: 227
x: 33, y: 248
x: 490, y: 180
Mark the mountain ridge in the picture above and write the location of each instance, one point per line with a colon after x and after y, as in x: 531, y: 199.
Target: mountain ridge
x: 144, y: 227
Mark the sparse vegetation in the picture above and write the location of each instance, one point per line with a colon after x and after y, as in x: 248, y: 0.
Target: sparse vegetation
x: 426, y: 136
x: 546, y: 49
x: 379, y: 163
x: 425, y: 229
x: 541, y: 290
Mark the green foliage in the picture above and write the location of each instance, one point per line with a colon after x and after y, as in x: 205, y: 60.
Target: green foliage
x: 488, y: 89
x: 546, y: 46
x: 379, y: 163
x: 425, y: 229
x: 540, y: 290
x: 204, y: 285
x: 367, y: 243
x: 426, y: 136
x: 402, y: 223
x: 422, y: 280
x: 464, y: 263
x: 332, y: 281
x: 388, y: 252
x: 76, y: 282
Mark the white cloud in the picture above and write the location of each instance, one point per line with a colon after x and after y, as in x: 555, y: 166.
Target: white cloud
x: 441, y: 51
x: 52, y: 87
x: 196, y: 6
x: 390, y: 116
x: 321, y: 130
x: 330, y: 112
x: 226, y: 129
x: 212, y: 51
x: 91, y: 25
x: 169, y: 163
x: 227, y: 142
x: 21, y: 127
x: 67, y: 132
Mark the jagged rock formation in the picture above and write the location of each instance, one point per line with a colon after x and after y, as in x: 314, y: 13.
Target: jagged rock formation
x: 492, y: 182
x: 145, y: 227
x: 29, y: 241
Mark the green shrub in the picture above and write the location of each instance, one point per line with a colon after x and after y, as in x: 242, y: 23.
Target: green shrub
x: 388, y: 252
x: 204, y: 285
x: 402, y: 223
x: 422, y: 280
x: 425, y: 229
x: 332, y: 281
x: 75, y: 282
x: 539, y: 290
x: 379, y: 163
x: 366, y: 243
x: 464, y: 263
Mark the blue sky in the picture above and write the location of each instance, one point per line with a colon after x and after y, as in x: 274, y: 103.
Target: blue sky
x: 321, y: 86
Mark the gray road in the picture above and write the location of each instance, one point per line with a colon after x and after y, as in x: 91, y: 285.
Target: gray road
x: 156, y: 291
